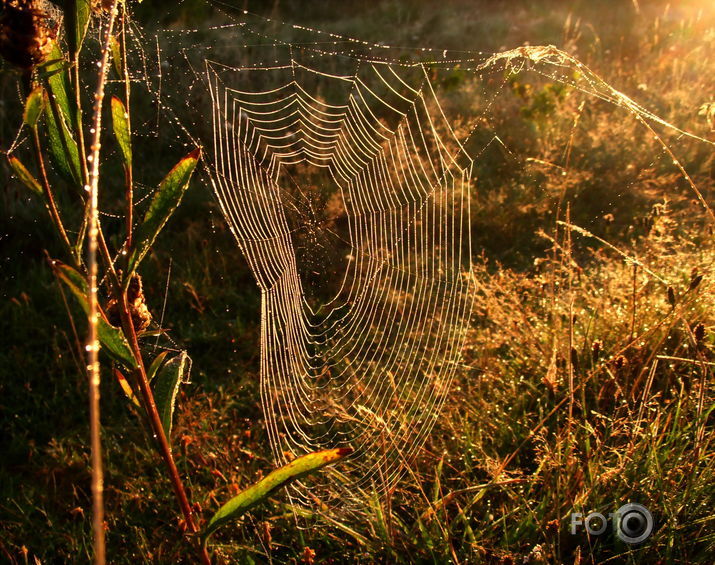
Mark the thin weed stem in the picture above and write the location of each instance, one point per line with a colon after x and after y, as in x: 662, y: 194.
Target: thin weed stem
x: 93, y: 337
x: 51, y: 205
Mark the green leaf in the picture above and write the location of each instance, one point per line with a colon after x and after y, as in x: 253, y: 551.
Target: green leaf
x: 260, y: 491
x: 55, y: 70
x: 110, y: 337
x: 120, y: 121
x: 77, y: 14
x: 116, y: 55
x: 62, y: 146
x: 33, y: 107
x: 170, y: 376
x: 25, y: 176
x: 126, y: 388
x: 155, y: 364
x: 166, y: 199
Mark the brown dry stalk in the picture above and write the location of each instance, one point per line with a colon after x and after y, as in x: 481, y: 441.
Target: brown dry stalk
x: 93, y: 338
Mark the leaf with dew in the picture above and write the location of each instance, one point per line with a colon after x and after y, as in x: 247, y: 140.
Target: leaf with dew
x: 260, y: 491
x: 120, y: 122
x: 168, y: 379
x: 62, y: 146
x: 34, y: 105
x: 24, y: 175
x: 165, y: 201
x: 77, y: 13
x: 54, y: 71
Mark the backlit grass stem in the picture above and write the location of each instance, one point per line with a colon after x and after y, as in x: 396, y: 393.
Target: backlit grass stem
x: 93, y: 338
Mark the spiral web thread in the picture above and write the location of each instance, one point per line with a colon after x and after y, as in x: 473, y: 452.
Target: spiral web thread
x: 349, y: 193
x: 369, y: 367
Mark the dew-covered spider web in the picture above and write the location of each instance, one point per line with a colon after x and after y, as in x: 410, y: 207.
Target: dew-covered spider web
x: 349, y: 175
x: 352, y: 209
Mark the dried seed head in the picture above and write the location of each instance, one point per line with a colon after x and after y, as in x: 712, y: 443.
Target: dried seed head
x: 141, y: 317
x: 695, y: 281
x: 99, y: 6
x: 552, y: 529
x: 596, y: 349
x: 266, y: 533
x: 620, y: 362
x: 26, y: 33
x: 699, y: 332
x: 671, y: 296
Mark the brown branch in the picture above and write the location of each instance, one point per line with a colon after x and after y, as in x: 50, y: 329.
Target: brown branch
x: 142, y: 383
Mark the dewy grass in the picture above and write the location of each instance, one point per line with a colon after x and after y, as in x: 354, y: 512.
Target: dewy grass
x: 585, y: 382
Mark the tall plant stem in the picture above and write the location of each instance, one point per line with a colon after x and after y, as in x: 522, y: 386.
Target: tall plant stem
x: 128, y: 166
x: 157, y: 428
x: 80, y: 132
x: 97, y: 244
x: 93, y: 338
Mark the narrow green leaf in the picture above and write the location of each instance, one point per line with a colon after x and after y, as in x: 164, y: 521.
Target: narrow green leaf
x: 111, y: 338
x: 124, y: 384
x: 52, y: 66
x: 77, y: 14
x: 260, y: 491
x: 155, y: 364
x: 55, y: 70
x: 120, y: 121
x: 62, y: 146
x: 169, y: 378
x: 437, y: 488
x: 25, y: 176
x: 116, y: 55
x: 166, y: 199
x: 33, y: 107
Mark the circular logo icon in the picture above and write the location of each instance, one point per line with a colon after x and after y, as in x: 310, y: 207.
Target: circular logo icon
x: 634, y: 523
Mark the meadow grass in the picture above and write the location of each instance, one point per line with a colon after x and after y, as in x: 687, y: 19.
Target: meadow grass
x: 586, y: 383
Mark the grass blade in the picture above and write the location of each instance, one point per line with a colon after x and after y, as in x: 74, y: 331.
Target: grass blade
x: 260, y: 491
x: 155, y: 364
x: 167, y: 198
x: 126, y: 388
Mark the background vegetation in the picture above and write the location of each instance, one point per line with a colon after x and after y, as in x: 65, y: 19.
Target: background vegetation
x: 586, y: 383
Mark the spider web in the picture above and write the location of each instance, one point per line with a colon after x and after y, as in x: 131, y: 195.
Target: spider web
x: 367, y: 367
x: 348, y: 185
